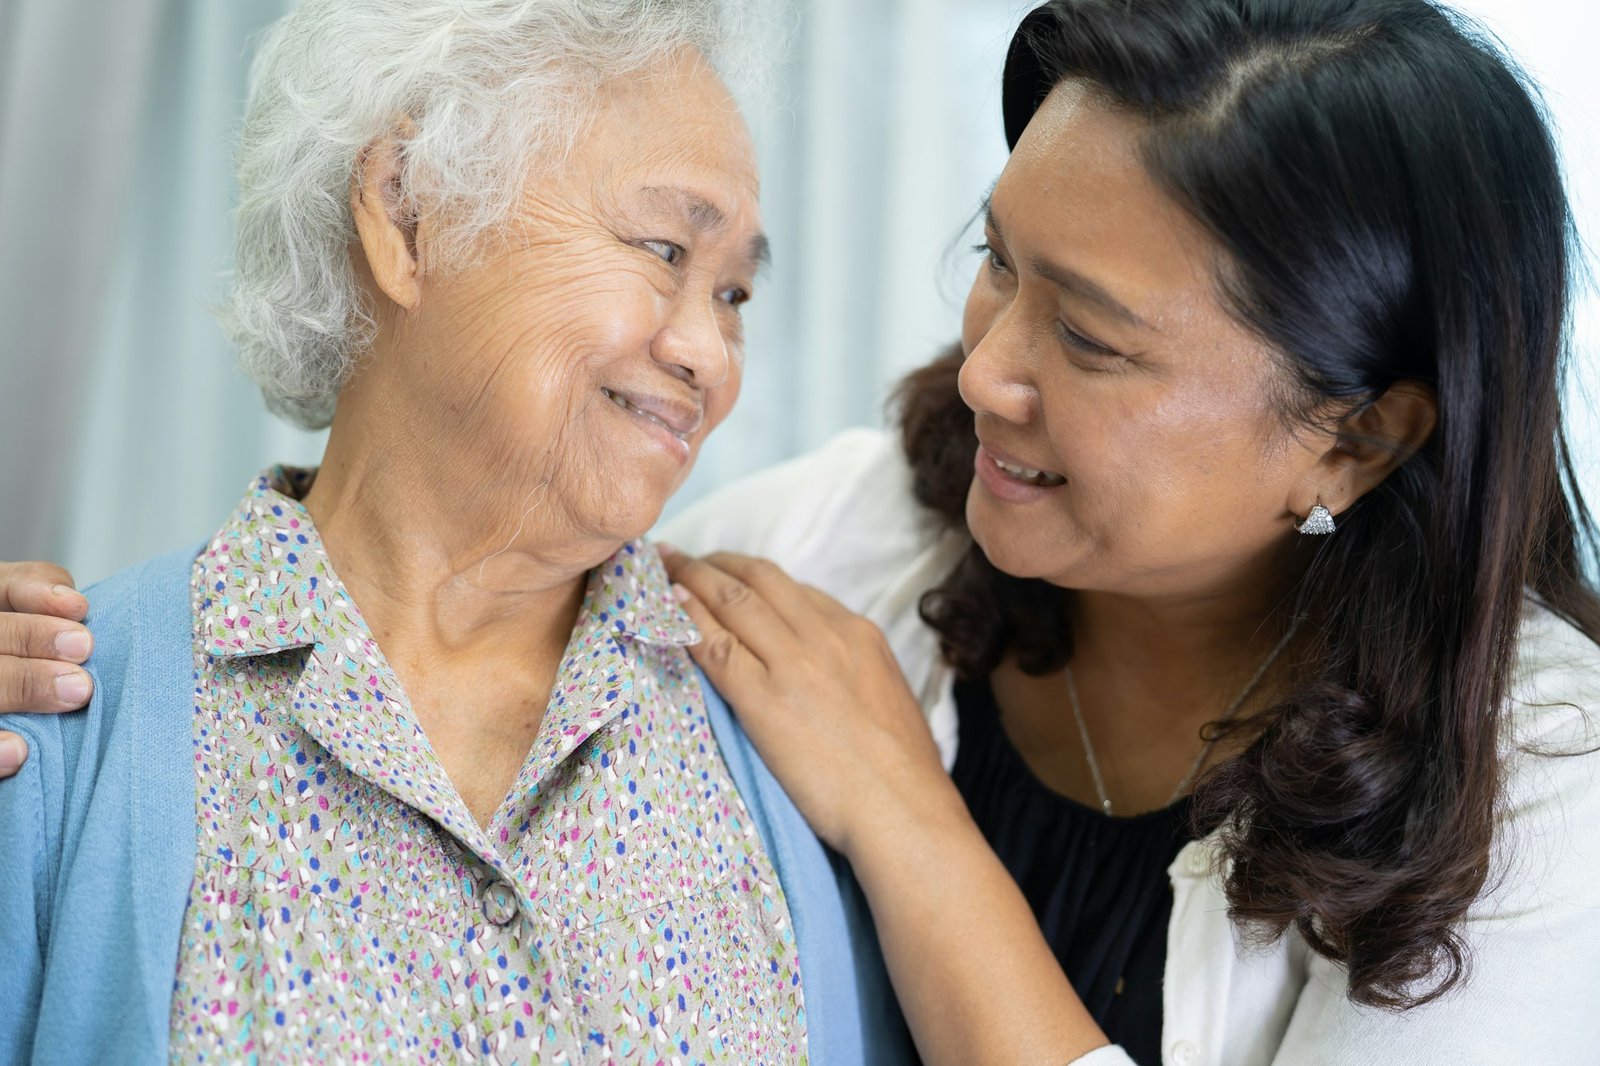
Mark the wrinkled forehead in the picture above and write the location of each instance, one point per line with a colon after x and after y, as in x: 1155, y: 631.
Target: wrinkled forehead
x: 676, y: 117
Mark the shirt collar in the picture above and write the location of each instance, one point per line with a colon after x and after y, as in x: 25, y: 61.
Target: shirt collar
x: 265, y: 581
x: 630, y: 595
x: 268, y: 584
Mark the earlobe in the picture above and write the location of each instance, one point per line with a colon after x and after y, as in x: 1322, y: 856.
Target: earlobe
x: 1368, y: 445
x: 386, y: 227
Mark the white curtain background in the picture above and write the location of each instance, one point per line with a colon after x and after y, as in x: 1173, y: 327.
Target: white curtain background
x: 125, y: 428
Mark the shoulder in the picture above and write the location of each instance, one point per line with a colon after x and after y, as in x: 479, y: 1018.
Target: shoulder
x: 137, y: 618
x: 105, y: 801
x: 1551, y: 802
x: 55, y: 741
x: 138, y: 615
x: 1555, y: 682
x: 842, y: 517
x: 1532, y: 973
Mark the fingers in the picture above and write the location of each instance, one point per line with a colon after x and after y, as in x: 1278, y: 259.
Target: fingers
x: 41, y: 642
x: 730, y: 665
x: 40, y: 588
x: 41, y: 685
x: 782, y: 593
x: 13, y: 753
x: 37, y: 636
x: 733, y: 605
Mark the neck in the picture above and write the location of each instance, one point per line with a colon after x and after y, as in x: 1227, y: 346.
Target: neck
x: 1182, y: 653
x: 444, y: 565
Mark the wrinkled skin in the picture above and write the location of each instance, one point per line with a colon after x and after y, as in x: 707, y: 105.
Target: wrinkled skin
x: 479, y: 463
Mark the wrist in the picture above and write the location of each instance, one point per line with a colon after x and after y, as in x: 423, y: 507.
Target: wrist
x: 905, y: 814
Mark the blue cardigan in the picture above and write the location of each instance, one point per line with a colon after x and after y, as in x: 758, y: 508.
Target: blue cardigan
x: 97, y: 849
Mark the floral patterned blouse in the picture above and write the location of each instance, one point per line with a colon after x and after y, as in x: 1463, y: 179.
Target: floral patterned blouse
x: 346, y: 906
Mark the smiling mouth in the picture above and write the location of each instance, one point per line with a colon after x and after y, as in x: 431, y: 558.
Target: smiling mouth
x: 629, y: 406
x: 1042, y: 478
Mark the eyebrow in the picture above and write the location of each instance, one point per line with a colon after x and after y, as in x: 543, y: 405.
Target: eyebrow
x: 1070, y: 280
x: 706, y: 217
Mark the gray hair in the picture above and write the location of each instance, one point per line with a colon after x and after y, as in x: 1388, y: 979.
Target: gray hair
x: 494, y: 88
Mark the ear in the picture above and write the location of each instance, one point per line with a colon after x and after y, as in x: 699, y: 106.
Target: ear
x: 1368, y: 444
x: 386, y: 226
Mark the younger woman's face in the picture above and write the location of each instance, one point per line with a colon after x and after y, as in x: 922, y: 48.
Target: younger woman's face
x: 1129, y: 440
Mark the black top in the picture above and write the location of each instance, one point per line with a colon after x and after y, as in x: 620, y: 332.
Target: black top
x: 1097, y: 884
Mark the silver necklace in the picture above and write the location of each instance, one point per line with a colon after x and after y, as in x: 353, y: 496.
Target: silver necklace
x: 1205, y: 749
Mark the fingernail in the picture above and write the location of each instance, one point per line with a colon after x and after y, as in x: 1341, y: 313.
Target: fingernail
x: 73, y: 645
x: 12, y: 754
x: 73, y: 688
x: 66, y: 590
x: 681, y: 594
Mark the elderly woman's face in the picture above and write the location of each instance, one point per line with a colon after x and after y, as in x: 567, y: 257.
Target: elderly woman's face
x: 1129, y: 437
x: 583, y: 363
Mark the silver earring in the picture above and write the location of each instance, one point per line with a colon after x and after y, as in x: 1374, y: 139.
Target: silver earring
x: 1318, y: 523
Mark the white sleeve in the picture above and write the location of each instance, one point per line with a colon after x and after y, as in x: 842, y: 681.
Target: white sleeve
x: 841, y: 518
x: 1110, y: 1055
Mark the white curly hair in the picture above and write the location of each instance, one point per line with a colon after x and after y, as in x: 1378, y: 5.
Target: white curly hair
x: 492, y: 90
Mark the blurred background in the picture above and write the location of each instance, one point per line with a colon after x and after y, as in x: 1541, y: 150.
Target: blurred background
x: 126, y: 429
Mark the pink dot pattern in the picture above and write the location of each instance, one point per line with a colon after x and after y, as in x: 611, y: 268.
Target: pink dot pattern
x: 346, y: 906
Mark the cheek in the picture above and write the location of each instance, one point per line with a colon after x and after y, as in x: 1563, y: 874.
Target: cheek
x: 1163, y: 470
x: 720, y: 400
x: 605, y: 326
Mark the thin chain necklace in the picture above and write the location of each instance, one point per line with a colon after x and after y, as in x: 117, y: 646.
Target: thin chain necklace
x: 1205, y: 749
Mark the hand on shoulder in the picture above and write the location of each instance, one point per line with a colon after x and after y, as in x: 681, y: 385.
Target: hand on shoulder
x: 42, y: 647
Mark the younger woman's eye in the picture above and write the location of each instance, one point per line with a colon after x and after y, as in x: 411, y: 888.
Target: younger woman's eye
x: 670, y: 251
x: 1083, y: 344
x: 996, y: 262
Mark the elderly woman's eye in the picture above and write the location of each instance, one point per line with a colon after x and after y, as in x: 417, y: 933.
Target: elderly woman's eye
x: 734, y: 297
x: 670, y: 251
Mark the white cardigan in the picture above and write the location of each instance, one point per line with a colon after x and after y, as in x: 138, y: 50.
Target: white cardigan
x: 843, y: 519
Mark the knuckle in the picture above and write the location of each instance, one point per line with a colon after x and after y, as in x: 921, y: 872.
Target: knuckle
x: 27, y: 637
x: 720, y: 647
x: 733, y: 593
x: 17, y: 684
x: 765, y: 569
x: 13, y: 638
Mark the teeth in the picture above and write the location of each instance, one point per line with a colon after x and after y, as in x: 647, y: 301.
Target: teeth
x: 1023, y: 473
x: 646, y: 415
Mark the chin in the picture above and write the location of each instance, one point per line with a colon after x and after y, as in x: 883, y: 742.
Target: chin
x: 630, y: 509
x: 1014, y: 552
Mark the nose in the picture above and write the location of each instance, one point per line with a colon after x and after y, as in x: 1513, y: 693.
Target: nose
x: 690, y: 344
x: 996, y: 377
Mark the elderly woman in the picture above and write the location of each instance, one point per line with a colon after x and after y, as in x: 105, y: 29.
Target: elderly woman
x: 408, y: 760
x: 1232, y: 558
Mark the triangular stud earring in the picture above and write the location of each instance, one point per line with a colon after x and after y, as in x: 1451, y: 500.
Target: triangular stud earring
x: 1318, y: 523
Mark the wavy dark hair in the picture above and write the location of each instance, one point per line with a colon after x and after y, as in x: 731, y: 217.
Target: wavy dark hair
x: 1384, y: 189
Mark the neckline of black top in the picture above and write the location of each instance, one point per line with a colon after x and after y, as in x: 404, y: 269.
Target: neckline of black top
x: 977, y: 706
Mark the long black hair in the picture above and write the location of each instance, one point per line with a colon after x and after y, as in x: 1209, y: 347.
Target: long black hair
x: 1385, y: 193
